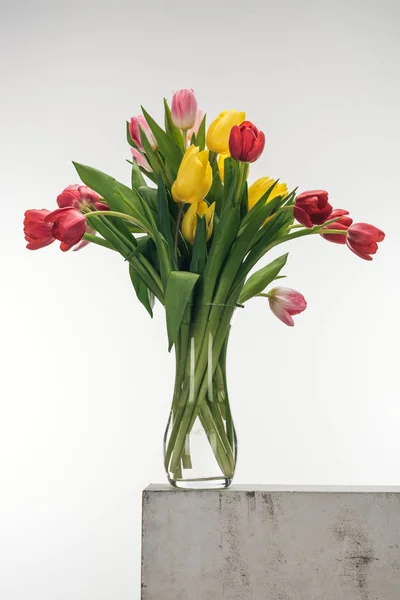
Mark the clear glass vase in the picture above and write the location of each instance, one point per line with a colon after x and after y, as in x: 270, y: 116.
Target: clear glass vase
x: 200, y: 446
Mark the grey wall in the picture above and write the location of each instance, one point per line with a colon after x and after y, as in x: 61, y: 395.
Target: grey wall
x: 86, y: 378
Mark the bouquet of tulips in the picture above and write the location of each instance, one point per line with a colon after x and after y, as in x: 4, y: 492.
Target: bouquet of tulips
x: 192, y: 230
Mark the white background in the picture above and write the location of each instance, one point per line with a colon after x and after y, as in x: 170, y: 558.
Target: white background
x: 86, y: 379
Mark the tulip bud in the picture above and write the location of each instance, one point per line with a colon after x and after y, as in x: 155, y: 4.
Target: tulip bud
x: 184, y: 109
x: 261, y: 187
x: 285, y: 302
x: 68, y: 226
x: 219, y: 131
x: 136, y: 126
x: 79, y: 196
x: 189, y: 221
x: 194, y: 178
x: 342, y: 223
x: 312, y: 208
x: 246, y: 142
x: 362, y: 239
x: 141, y: 160
x: 38, y: 233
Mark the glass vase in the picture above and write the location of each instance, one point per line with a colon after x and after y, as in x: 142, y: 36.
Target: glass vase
x: 200, y: 446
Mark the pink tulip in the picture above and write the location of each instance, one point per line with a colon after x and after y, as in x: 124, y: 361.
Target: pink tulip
x: 362, y: 239
x: 141, y: 160
x: 76, y: 196
x: 285, y: 302
x: 312, y: 208
x: 68, y: 226
x: 184, y: 109
x: 37, y: 232
x: 137, y: 124
x: 342, y: 223
x: 196, y: 126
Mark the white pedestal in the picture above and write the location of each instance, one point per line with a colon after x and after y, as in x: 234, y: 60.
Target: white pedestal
x: 270, y: 543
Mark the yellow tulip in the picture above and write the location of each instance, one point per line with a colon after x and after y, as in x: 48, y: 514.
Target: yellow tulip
x: 219, y: 131
x: 221, y: 160
x: 221, y: 166
x: 261, y: 186
x: 189, y: 221
x: 194, y: 178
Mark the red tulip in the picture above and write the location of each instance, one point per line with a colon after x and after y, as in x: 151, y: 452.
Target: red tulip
x: 285, y: 302
x: 343, y: 223
x: 137, y: 125
x: 246, y: 142
x: 80, y: 195
x: 38, y: 233
x: 312, y: 208
x: 362, y: 239
x: 184, y: 109
x: 68, y: 226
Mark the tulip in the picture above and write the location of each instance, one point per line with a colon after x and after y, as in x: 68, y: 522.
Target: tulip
x: 196, y: 126
x: 312, y: 208
x: 37, y: 232
x: 136, y: 126
x: 141, y: 160
x: 261, y: 187
x: 221, y: 161
x: 246, y: 142
x: 184, y: 109
x: 219, y: 131
x: 76, y: 195
x: 362, y: 239
x: 194, y: 178
x: 285, y: 302
x: 189, y: 221
x: 68, y: 226
x: 342, y: 223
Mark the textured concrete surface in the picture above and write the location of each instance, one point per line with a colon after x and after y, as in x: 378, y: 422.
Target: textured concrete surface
x: 271, y: 543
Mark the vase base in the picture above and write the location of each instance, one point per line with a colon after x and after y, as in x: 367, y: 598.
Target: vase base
x: 212, y: 483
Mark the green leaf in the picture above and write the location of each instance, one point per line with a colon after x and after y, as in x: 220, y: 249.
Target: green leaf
x: 199, y: 252
x: 163, y: 249
x: 230, y: 182
x: 143, y: 293
x: 168, y: 147
x: 171, y: 129
x: 137, y: 178
x: 164, y: 220
x: 216, y: 193
x: 150, y: 196
x: 201, y: 134
x: 118, y: 196
x: 261, y: 278
x: 179, y: 291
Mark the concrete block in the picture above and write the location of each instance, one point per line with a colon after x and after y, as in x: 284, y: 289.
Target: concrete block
x: 271, y: 543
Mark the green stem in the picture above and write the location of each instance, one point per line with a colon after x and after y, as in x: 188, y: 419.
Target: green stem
x: 94, y: 239
x: 112, y: 213
x: 164, y: 170
x: 177, y: 228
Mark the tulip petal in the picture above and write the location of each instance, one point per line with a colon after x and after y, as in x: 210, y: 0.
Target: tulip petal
x: 281, y: 314
x: 235, y: 142
x: 40, y: 243
x: 301, y: 216
x: 257, y: 148
x: 248, y: 140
